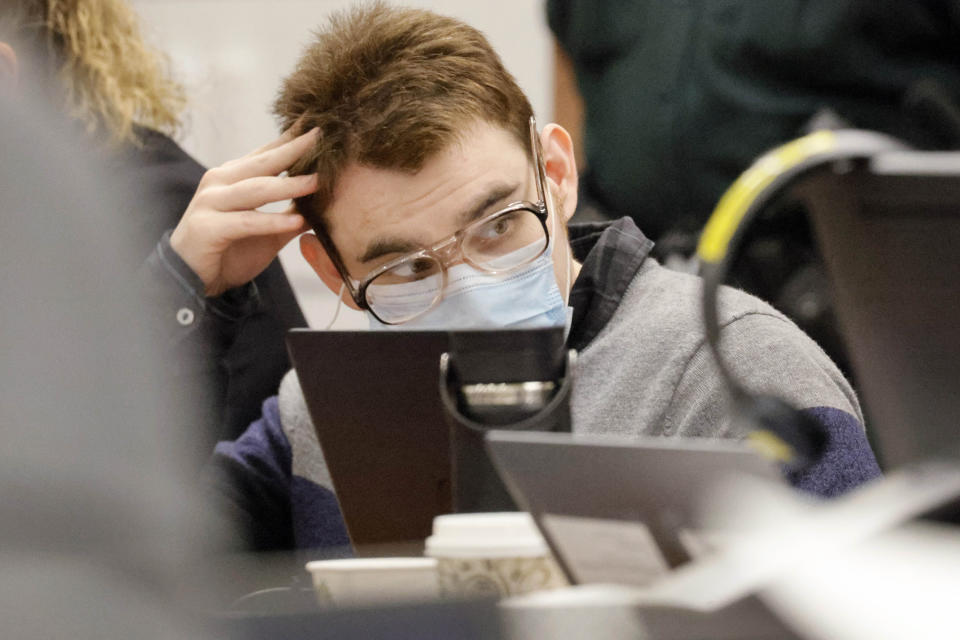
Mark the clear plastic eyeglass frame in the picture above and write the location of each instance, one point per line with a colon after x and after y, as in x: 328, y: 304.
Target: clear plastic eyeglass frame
x: 448, y: 250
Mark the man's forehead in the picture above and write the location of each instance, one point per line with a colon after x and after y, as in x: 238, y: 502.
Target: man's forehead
x: 479, y: 149
x: 484, y: 164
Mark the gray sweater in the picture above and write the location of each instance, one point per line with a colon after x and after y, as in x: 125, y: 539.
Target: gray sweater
x: 650, y: 371
x: 644, y: 368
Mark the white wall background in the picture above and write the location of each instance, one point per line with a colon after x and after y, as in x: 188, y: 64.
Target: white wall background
x: 231, y: 55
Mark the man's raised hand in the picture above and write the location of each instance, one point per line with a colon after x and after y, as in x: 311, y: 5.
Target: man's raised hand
x: 222, y: 236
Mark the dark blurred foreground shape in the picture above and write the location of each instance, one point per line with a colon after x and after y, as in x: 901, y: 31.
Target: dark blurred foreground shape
x: 100, y: 532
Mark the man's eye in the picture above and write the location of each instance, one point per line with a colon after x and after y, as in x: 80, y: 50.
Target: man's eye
x: 499, y: 227
x: 415, y: 269
x: 421, y: 266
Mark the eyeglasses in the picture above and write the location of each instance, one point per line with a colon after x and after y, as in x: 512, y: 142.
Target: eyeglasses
x: 410, y: 285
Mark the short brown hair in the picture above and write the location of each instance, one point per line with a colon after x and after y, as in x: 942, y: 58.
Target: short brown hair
x: 391, y: 87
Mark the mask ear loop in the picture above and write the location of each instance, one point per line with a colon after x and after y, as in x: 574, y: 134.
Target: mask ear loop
x: 553, y: 239
x: 549, y: 203
x: 336, y: 312
x: 566, y: 290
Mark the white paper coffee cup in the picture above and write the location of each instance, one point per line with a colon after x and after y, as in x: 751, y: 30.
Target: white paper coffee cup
x: 363, y: 581
x: 491, y: 554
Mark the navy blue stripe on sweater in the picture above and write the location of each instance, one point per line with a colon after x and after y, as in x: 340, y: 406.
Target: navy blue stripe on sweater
x: 847, y: 462
x: 251, y: 477
x: 317, y: 520
x: 274, y: 508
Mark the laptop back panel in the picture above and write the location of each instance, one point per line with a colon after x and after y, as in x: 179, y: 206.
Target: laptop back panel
x: 373, y: 398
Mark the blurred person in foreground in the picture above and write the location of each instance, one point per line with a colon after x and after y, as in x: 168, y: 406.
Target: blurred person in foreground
x: 437, y: 203
x: 100, y: 535
x: 88, y: 59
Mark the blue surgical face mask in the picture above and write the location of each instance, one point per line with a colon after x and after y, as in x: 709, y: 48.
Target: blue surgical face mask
x: 527, y: 297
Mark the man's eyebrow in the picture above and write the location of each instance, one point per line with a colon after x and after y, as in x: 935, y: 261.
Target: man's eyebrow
x: 386, y: 246
x: 495, y: 194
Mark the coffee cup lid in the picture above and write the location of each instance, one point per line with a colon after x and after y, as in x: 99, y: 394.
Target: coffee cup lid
x: 472, y: 535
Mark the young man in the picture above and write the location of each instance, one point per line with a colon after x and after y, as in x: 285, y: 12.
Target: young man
x: 434, y: 206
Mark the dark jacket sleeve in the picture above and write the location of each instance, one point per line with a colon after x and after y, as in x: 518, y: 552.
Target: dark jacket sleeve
x: 180, y: 300
x: 250, y: 482
x: 197, y: 333
x: 231, y: 348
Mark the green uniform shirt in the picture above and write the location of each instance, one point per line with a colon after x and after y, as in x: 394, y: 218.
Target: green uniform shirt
x: 681, y: 95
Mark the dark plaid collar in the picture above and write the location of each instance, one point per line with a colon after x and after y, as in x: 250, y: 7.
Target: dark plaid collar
x: 611, y: 253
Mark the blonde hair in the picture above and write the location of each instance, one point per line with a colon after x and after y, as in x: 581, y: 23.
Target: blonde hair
x: 109, y: 77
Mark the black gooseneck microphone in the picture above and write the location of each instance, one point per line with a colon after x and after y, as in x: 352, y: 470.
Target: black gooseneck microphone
x: 500, y: 379
x: 779, y: 431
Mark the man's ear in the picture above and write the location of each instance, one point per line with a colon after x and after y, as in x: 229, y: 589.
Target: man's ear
x: 561, y: 167
x: 316, y: 256
x: 9, y: 67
